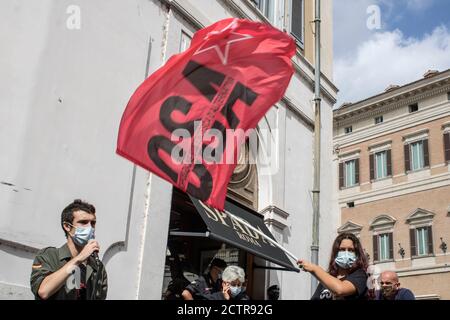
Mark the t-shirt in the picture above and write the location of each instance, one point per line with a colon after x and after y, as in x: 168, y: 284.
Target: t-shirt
x: 358, y: 278
x: 81, y: 293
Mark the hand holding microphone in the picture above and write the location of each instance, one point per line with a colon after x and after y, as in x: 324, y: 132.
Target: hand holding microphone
x: 95, y: 256
x: 90, y: 249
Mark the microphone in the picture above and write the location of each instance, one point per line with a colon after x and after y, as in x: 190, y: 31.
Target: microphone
x: 95, y: 256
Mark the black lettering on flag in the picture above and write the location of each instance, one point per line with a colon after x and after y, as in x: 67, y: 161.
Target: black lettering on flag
x: 170, y: 105
x: 162, y: 143
x: 204, y: 191
x: 202, y: 77
x: 240, y: 92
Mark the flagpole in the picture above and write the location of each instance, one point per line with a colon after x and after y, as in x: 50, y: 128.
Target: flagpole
x: 317, y: 151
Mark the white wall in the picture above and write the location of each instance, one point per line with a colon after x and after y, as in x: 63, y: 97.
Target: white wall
x: 63, y: 93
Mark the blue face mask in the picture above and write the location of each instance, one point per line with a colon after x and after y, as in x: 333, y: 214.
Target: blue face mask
x: 83, y: 235
x: 235, y: 291
x: 345, y: 259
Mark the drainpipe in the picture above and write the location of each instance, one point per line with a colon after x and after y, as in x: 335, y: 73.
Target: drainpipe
x: 316, y: 160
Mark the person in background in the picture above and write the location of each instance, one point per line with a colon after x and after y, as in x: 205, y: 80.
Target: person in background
x: 390, y: 288
x: 207, y: 286
x: 273, y: 292
x: 233, y: 279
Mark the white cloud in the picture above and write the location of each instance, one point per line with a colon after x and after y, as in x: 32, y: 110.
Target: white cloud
x: 390, y: 58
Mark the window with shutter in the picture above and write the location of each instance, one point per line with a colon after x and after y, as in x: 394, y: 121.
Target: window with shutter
x: 418, y: 155
x: 447, y: 146
x: 426, y: 154
x: 407, y: 161
x: 298, y: 20
x: 384, y: 248
x: 412, y: 240
x: 389, y: 162
x: 391, y: 246
x: 266, y: 7
x: 372, y: 166
x: 185, y: 41
x: 430, y: 240
x: 381, y: 165
x: 422, y: 237
x: 350, y: 173
x: 375, y: 248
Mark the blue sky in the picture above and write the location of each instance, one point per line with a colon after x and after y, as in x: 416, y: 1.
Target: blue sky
x: 417, y: 18
x: 413, y: 37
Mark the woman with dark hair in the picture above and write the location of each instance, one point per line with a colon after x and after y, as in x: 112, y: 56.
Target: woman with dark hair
x: 346, y: 278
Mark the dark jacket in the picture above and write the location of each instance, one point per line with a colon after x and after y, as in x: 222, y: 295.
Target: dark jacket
x: 204, y: 288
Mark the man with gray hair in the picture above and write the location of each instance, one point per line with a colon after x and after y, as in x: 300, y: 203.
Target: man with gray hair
x: 233, y: 278
x: 390, y: 288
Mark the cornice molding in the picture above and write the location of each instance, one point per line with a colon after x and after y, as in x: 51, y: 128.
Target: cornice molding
x: 400, y: 123
x: 351, y: 227
x: 446, y: 126
x: 382, y: 222
x: 396, y: 190
x: 420, y: 215
x: 414, y: 134
x: 384, y: 106
x: 280, y: 212
x: 275, y: 216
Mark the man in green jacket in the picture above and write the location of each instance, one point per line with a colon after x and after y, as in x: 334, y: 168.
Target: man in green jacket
x: 73, y: 271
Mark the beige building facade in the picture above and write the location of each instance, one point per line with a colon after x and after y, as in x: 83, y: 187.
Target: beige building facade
x: 392, y: 153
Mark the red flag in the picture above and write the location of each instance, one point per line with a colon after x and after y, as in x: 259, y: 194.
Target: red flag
x: 230, y: 76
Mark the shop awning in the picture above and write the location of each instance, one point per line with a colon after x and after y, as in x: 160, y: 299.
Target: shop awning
x: 223, y: 227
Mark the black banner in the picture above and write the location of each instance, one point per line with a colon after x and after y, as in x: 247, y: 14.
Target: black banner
x: 223, y: 227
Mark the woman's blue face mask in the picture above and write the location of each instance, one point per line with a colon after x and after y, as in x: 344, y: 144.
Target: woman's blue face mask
x: 235, y: 290
x: 345, y: 259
